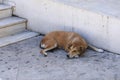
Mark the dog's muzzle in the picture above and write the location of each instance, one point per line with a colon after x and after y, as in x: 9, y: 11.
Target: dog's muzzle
x: 68, y: 56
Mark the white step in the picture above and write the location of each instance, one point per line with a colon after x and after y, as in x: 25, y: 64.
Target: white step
x: 5, y: 11
x: 16, y: 38
x: 12, y: 25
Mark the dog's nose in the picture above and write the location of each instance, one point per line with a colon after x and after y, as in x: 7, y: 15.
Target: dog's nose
x: 68, y: 56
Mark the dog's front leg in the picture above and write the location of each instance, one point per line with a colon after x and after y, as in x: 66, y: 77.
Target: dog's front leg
x: 44, y: 52
x: 50, y: 47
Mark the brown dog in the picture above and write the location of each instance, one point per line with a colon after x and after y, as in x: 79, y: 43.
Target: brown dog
x: 72, y: 42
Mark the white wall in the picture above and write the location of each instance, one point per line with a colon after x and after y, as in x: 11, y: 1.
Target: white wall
x: 0, y: 1
x: 45, y: 16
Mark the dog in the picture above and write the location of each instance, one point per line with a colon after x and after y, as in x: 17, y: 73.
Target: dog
x: 71, y: 42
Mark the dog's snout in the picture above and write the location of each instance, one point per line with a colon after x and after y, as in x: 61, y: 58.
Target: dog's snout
x: 68, y: 56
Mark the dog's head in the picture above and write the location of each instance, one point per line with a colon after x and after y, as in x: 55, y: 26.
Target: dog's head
x: 75, y: 50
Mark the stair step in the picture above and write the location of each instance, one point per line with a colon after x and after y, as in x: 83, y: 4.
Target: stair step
x: 11, y: 21
x: 17, y: 37
x: 12, y: 25
x: 5, y: 11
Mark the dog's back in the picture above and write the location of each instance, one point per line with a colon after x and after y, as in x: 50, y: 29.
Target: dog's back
x: 63, y: 38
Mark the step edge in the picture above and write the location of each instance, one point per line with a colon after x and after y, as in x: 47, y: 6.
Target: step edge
x: 10, y: 30
x: 12, y: 24
x: 6, y: 8
x: 13, y: 42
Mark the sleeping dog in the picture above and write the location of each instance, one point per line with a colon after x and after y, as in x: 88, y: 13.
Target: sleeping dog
x: 71, y: 42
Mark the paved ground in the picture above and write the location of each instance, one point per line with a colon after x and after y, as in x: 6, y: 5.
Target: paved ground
x: 22, y: 61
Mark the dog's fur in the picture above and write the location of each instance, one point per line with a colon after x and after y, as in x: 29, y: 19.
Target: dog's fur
x: 71, y: 42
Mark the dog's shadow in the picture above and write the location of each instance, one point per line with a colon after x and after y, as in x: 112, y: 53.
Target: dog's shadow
x: 61, y: 53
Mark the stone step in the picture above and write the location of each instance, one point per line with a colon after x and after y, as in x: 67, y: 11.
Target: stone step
x: 12, y: 25
x: 17, y: 37
x: 5, y: 11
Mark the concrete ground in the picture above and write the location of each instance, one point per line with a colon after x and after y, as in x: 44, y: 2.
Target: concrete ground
x: 22, y: 61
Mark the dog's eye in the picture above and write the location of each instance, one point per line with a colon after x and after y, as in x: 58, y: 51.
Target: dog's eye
x: 69, y: 46
x: 74, y: 51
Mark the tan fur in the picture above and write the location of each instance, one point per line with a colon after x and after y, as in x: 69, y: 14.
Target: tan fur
x: 72, y: 42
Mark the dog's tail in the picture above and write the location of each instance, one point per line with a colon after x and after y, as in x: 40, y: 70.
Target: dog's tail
x: 95, y: 48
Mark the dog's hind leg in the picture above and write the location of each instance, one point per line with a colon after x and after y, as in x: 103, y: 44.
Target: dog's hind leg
x: 95, y: 48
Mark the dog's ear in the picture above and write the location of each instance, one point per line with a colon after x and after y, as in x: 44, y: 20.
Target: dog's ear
x: 69, y: 46
x: 82, y: 50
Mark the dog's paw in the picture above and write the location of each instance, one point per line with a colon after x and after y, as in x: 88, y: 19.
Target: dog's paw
x: 44, y: 53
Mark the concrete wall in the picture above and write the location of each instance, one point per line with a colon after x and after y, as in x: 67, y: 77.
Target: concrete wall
x: 45, y: 16
x: 0, y: 1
